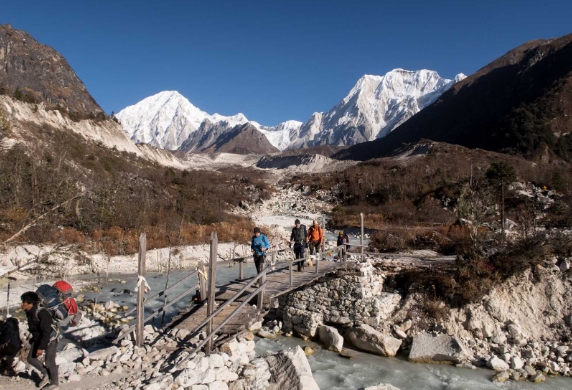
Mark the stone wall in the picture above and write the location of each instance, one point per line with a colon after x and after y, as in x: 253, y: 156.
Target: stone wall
x: 352, y: 298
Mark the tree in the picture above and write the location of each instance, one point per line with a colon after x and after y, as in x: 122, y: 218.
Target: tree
x: 500, y: 175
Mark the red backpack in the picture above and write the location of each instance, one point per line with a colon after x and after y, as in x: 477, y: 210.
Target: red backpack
x: 66, y: 290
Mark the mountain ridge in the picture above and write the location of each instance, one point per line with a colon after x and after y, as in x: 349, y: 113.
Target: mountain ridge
x: 396, y: 96
x: 38, y: 73
x: 519, y: 103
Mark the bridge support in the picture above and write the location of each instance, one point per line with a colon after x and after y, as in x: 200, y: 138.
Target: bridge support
x: 139, y: 332
x: 211, y: 291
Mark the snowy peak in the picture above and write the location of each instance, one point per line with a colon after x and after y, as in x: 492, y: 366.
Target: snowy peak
x: 164, y: 120
x: 375, y: 106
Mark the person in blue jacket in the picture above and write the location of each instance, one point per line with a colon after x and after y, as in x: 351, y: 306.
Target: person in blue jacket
x: 259, y: 246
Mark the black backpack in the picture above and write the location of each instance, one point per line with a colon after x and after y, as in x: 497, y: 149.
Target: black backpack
x: 10, y: 335
x: 302, y: 228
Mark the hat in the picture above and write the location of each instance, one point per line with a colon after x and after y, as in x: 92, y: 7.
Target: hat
x: 256, y: 230
x: 296, y: 222
x: 341, y: 232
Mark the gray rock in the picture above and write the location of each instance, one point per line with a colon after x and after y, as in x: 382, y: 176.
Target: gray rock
x: 330, y: 338
x: 103, y: 354
x: 187, y: 378
x: 564, y: 265
x: 502, y: 376
x: 530, y: 371
x: 538, y: 378
x: 516, y: 363
x: 427, y: 348
x: 368, y: 339
x: 399, y: 332
x: 218, y: 385
x: 381, y: 386
x: 266, y: 335
x: 289, y: 369
x: 497, y: 364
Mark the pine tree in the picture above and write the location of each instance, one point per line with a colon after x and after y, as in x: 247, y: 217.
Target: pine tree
x: 500, y: 175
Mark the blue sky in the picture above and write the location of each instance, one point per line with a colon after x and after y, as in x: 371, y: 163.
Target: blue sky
x: 274, y: 60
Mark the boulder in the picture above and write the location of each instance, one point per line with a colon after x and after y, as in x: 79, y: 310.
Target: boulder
x: 502, y: 376
x: 187, y: 378
x: 218, y: 385
x: 497, y: 364
x: 256, y: 376
x: 427, y: 348
x: 381, y: 386
x: 368, y: 339
x: 330, y: 338
x: 103, y: 354
x: 289, y: 369
x: 266, y: 334
x: 399, y: 332
x: 516, y: 363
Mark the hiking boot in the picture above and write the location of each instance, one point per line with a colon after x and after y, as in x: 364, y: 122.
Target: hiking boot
x: 45, y: 380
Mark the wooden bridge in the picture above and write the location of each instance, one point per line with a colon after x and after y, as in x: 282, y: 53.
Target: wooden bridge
x: 232, y: 307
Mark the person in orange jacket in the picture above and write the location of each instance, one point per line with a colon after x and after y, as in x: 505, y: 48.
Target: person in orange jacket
x: 315, y: 237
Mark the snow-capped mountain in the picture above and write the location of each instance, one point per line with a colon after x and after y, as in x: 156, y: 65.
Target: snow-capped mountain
x: 280, y: 135
x: 169, y: 121
x: 374, y: 107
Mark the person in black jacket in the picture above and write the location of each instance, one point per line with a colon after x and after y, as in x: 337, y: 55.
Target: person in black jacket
x: 299, y: 238
x: 44, y: 340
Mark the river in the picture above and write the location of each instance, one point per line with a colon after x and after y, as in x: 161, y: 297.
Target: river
x: 331, y: 371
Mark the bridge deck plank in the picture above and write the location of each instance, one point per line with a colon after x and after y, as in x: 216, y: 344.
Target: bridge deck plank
x: 277, y: 283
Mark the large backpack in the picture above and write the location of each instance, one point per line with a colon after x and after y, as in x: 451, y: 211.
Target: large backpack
x: 58, y: 302
x: 9, y: 336
x: 305, y: 233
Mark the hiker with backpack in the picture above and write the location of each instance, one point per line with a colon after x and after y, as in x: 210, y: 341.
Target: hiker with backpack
x: 44, y: 339
x: 259, y: 247
x: 344, y: 240
x: 315, y: 238
x: 10, y: 344
x: 299, y: 238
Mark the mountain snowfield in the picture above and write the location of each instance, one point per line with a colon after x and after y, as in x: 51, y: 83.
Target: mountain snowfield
x: 375, y: 106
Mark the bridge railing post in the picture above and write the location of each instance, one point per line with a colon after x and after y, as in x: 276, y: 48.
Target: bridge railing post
x: 202, y: 281
x: 290, y: 276
x: 241, y: 270
x: 260, y: 300
x: 139, y: 330
x: 212, y: 287
x: 362, y: 236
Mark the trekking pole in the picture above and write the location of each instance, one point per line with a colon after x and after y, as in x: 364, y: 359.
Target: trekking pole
x: 8, y: 301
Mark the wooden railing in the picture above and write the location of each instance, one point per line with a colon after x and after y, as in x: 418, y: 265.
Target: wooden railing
x: 208, y: 294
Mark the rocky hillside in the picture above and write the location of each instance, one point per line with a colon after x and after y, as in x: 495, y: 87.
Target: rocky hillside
x: 34, y: 72
x: 520, y: 103
x: 243, y: 139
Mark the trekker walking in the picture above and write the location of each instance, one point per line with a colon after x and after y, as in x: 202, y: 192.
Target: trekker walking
x: 10, y: 344
x: 315, y: 237
x: 343, y: 239
x: 44, y: 340
x: 299, y: 238
x: 259, y: 246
